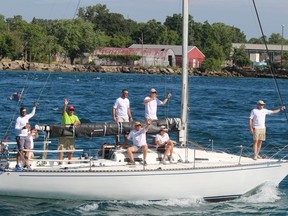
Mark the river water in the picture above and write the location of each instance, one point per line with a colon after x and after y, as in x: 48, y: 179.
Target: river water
x: 218, y: 119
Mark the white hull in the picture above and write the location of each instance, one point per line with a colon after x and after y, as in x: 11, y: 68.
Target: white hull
x: 208, y: 175
x: 216, y: 176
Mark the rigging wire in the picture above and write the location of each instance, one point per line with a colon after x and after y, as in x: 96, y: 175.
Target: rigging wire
x: 77, y: 8
x: 19, y: 103
x: 48, y: 77
x: 271, y: 68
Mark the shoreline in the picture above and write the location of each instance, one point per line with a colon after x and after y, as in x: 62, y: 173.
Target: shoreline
x: 32, y: 66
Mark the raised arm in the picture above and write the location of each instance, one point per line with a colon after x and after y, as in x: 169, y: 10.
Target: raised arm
x: 166, y: 99
x: 278, y: 110
x: 148, y: 123
x: 65, y: 106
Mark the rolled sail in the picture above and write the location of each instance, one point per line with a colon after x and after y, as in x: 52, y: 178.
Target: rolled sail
x: 108, y: 129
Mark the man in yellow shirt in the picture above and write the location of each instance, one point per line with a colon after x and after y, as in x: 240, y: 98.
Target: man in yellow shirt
x: 68, y: 118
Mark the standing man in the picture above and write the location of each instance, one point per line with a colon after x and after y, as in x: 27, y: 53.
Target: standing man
x: 139, y: 141
x: 257, y: 125
x: 121, y: 111
x: 22, y: 138
x: 151, y: 102
x: 68, y: 118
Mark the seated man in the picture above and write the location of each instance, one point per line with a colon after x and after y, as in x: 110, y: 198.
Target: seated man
x: 164, y: 143
x: 139, y: 141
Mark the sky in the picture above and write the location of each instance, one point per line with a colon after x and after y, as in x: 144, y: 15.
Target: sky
x: 239, y: 13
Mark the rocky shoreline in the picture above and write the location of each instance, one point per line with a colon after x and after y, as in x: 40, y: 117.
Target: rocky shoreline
x: 31, y: 66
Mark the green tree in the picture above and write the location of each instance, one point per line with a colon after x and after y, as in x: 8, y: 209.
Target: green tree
x: 175, y: 23
x: 215, y: 57
x: 37, y: 43
x: 211, y: 64
x: 225, y: 35
x: 197, y: 35
x: 153, y: 32
x: 10, y: 45
x: 257, y: 40
x: 97, y: 14
x: 76, y: 37
x: 275, y: 39
x: 3, y: 25
x: 240, y: 57
x: 104, y: 21
x: 119, y: 41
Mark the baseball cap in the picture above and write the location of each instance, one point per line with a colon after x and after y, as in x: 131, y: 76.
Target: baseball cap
x: 71, y: 108
x: 163, y: 128
x: 137, y: 123
x: 153, y: 90
x: 261, y: 102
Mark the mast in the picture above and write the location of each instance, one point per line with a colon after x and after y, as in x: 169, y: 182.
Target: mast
x: 184, y: 101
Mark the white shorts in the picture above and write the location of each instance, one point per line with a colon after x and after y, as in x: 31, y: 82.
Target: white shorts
x: 122, y: 119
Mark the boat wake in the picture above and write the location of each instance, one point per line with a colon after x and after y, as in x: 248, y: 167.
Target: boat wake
x: 267, y: 193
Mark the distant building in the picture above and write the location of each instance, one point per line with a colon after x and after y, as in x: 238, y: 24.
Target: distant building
x: 148, y: 57
x: 195, y: 56
x: 258, y: 52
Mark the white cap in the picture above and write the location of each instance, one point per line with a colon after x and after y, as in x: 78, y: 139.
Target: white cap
x: 261, y: 102
x: 153, y: 90
x: 163, y: 128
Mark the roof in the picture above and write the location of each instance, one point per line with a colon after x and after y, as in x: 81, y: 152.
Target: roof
x: 271, y: 47
x: 160, y: 52
x: 176, y: 48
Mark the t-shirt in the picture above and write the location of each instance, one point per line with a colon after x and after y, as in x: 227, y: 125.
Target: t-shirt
x: 139, y: 137
x: 121, y: 105
x: 22, y: 121
x: 66, y: 119
x: 163, y: 139
x: 151, y: 108
x: 24, y: 132
x: 258, y: 117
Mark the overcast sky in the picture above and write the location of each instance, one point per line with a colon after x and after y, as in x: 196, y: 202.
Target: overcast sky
x: 238, y: 13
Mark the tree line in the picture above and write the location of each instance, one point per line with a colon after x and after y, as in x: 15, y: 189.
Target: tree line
x: 95, y: 26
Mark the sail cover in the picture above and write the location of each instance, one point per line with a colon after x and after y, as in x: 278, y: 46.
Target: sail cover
x: 108, y: 129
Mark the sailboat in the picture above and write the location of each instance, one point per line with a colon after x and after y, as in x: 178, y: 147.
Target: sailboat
x: 213, y: 176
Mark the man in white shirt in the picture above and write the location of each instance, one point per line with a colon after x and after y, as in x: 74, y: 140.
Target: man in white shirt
x: 22, y: 139
x: 151, y: 102
x: 121, y: 111
x: 257, y: 125
x: 138, y: 135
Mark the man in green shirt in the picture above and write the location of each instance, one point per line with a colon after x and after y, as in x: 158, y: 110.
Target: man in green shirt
x: 68, y: 118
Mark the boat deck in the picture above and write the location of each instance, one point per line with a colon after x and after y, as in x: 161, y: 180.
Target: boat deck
x: 116, y: 160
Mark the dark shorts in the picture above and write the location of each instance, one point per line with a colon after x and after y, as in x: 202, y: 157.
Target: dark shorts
x: 23, y: 142
x: 162, y: 148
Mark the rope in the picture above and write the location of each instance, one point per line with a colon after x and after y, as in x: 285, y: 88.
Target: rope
x: 271, y: 68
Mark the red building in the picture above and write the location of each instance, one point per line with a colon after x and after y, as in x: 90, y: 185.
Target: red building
x: 195, y: 56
